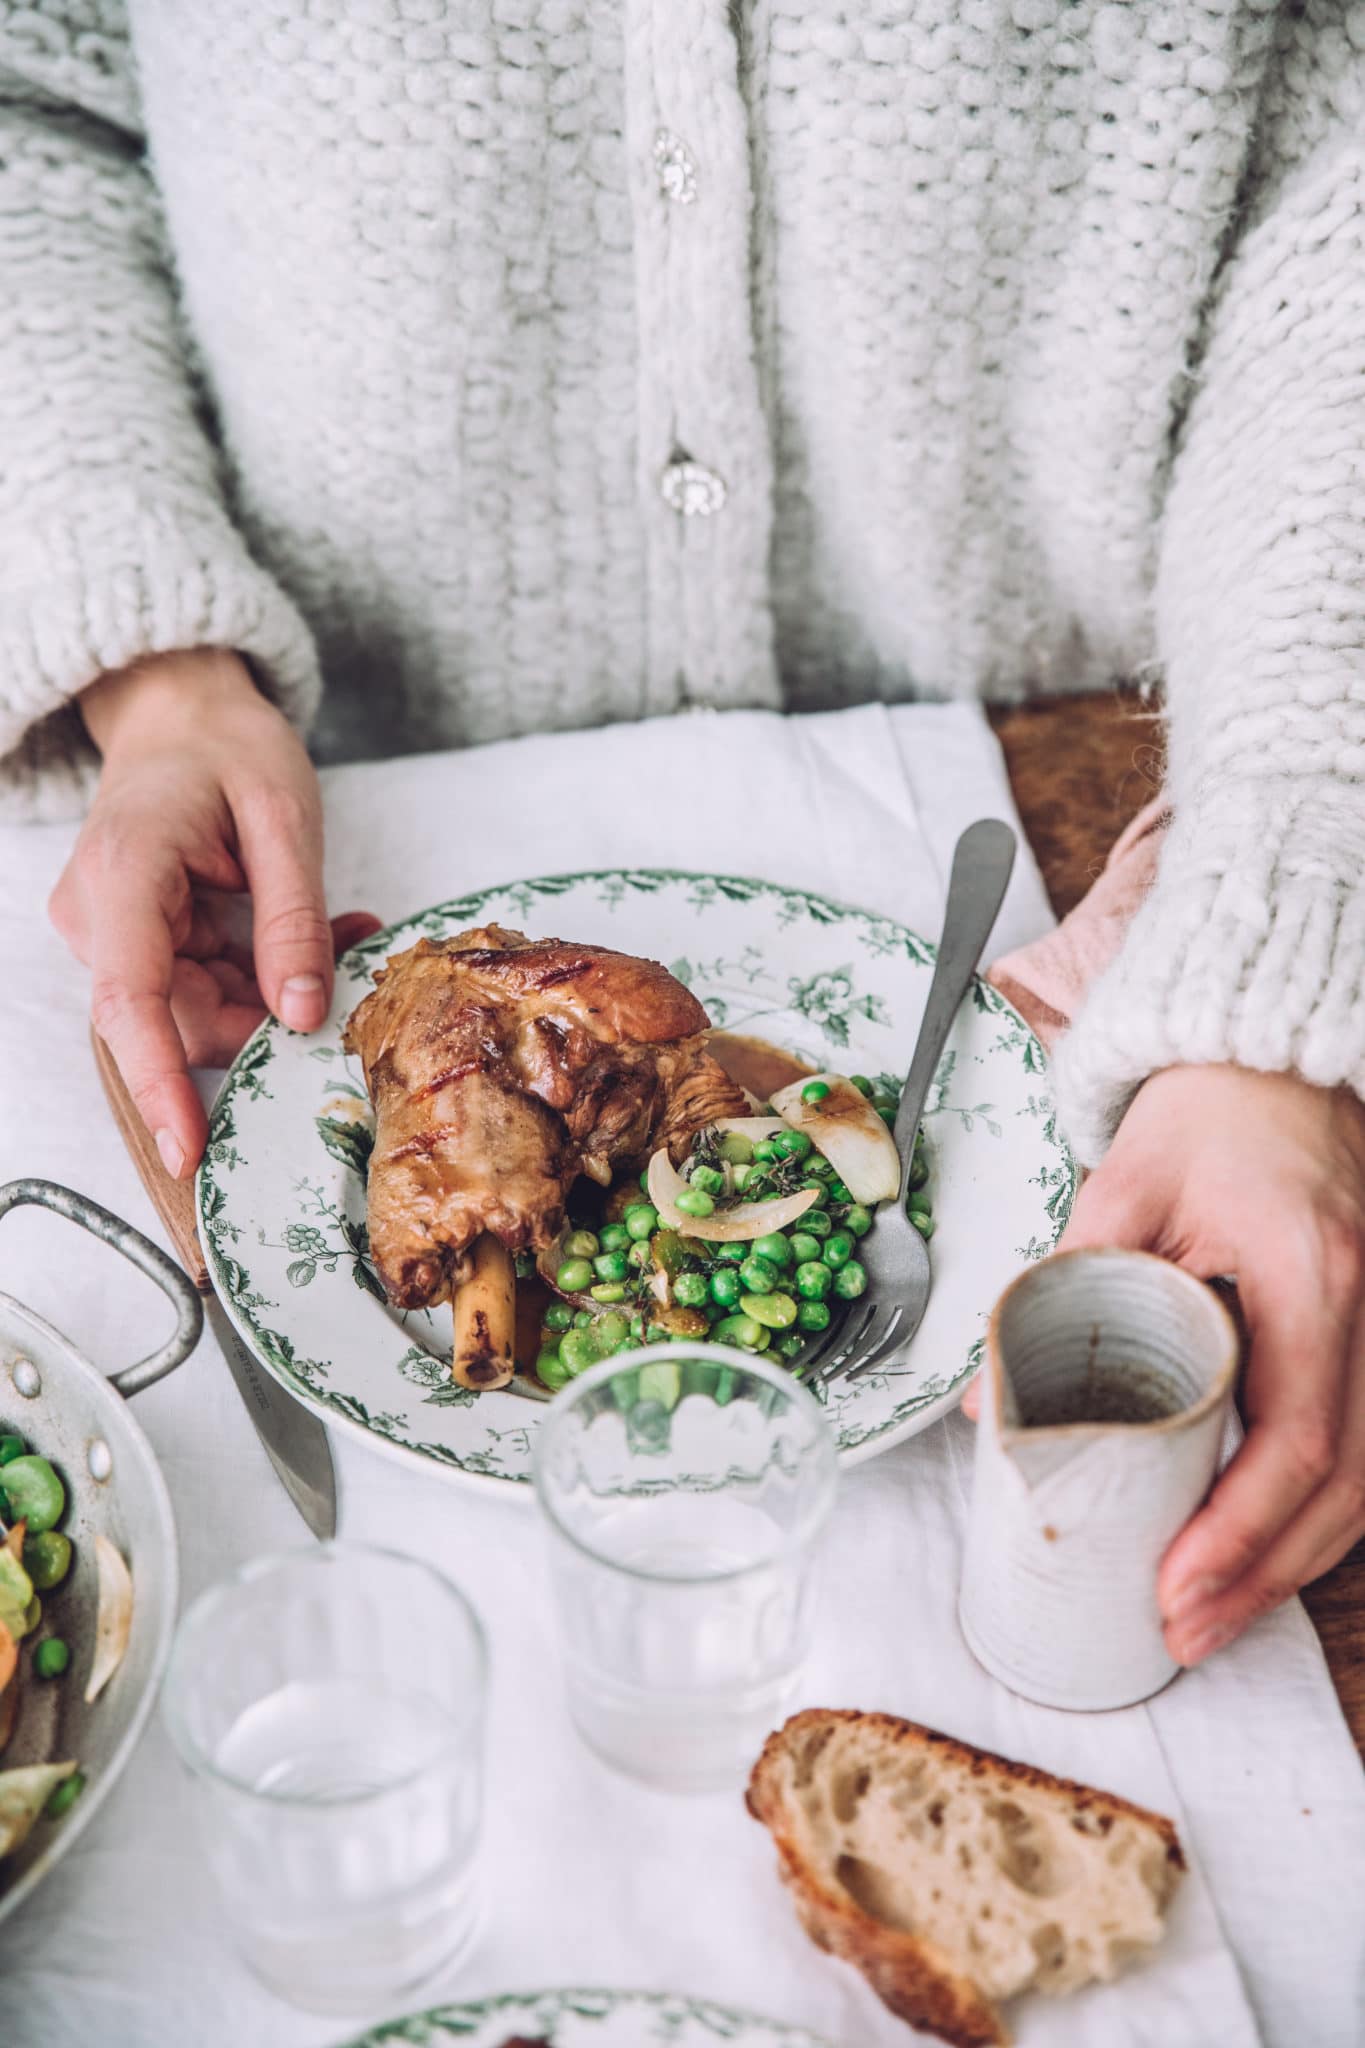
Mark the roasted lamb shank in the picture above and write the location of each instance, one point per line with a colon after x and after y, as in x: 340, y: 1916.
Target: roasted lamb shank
x: 501, y: 1068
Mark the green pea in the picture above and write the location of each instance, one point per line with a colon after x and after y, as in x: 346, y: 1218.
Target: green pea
x: 759, y: 1275
x: 644, y: 1180
x: 65, y: 1796
x: 815, y: 1091
x: 713, y: 1310
x: 924, y: 1224
x: 816, y: 1223
x: 33, y: 1614
x: 839, y: 1192
x: 920, y: 1200
x: 774, y: 1311
x: 51, y: 1657
x: 47, y: 1559
x: 803, y: 1246
x: 861, y: 1083
x: 637, y: 1329
x: 581, y: 1244
x: 818, y: 1168
x: 709, y: 1179
x: 614, y: 1237
x: 726, y: 1286
x: 757, y: 1188
x: 774, y: 1248
x: 578, y: 1350
x: 919, y: 1171
x: 741, y: 1176
x: 641, y: 1221
x: 812, y: 1315
x: 839, y: 1249
x: 792, y: 1345
x: 558, y: 1316
x: 551, y: 1369
x: 611, y: 1265
x: 608, y: 1290
x: 735, y: 1147
x: 641, y: 1255
x: 612, y: 1333
x: 813, y: 1280
x: 11, y: 1447
x: 888, y: 1117
x: 695, y: 1202
x: 793, y: 1145
x: 36, y: 1494
x: 743, y: 1331
x: 858, y: 1220
x: 690, y: 1290
x: 733, y: 1254
x: 655, y: 1333
x: 766, y: 1149
x: 573, y: 1276
x: 851, y: 1280
x: 583, y: 1319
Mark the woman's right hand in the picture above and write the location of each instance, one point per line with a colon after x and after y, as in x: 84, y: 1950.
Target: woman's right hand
x: 206, y: 792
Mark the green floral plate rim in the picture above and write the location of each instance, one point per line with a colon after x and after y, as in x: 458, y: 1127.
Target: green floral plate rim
x: 281, y: 1189
x: 672, y: 2019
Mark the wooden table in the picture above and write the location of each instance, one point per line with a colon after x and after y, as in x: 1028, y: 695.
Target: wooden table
x: 1080, y: 770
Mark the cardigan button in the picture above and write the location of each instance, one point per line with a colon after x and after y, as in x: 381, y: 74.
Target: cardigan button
x: 693, y: 491
x: 675, y: 167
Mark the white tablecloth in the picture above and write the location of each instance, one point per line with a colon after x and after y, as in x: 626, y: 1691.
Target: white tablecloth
x: 591, y: 1879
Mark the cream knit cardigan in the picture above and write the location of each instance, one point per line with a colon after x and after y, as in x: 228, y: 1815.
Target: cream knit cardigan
x: 515, y: 364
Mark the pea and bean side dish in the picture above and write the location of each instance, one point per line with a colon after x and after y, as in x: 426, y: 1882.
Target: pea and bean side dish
x: 35, y: 1560
x: 754, y: 1244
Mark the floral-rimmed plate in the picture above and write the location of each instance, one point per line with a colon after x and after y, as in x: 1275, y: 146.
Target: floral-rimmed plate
x: 587, y: 2019
x: 281, y: 1191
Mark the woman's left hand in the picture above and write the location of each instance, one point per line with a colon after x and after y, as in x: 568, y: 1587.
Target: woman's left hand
x: 1261, y: 1177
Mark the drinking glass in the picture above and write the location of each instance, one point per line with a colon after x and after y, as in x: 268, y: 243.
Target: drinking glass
x: 329, y: 1706
x: 684, y: 1489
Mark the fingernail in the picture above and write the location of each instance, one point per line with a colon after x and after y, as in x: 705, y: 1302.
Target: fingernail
x: 301, y: 1002
x: 1192, y: 1594
x: 1204, y: 1644
x: 172, y: 1153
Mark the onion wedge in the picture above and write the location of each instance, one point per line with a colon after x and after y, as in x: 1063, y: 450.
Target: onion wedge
x: 113, y: 1618
x: 754, y: 1127
x: 725, y: 1226
x: 845, y: 1127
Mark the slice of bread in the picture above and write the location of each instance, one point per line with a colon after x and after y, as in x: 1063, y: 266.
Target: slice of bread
x: 953, y: 1878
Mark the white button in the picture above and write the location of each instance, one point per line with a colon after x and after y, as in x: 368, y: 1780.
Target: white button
x: 675, y: 166
x: 692, y: 489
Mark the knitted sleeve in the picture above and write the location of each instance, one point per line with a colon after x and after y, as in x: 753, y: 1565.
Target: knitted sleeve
x: 1251, y: 946
x: 115, y: 540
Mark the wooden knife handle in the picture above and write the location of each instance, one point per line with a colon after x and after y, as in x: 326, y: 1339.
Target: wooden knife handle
x: 173, y: 1200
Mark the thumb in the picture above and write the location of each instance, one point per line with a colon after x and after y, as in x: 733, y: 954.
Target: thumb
x: 280, y: 842
x: 1114, y: 1207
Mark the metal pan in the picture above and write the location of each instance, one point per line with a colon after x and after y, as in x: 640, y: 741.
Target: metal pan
x: 67, y: 1410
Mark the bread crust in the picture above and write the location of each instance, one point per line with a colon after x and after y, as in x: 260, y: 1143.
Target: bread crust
x: 909, y: 1974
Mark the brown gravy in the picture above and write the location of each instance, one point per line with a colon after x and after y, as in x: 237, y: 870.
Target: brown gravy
x: 755, y: 1064
x: 1106, y: 1397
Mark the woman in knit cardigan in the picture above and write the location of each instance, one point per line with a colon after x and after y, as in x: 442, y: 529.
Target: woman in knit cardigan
x: 515, y: 364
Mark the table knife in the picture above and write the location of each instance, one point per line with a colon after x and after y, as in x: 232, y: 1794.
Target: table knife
x: 294, y: 1441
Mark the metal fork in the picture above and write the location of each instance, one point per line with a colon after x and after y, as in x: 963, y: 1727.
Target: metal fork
x: 894, y: 1254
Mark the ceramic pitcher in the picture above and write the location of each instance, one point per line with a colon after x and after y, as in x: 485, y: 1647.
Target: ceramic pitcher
x: 1106, y: 1390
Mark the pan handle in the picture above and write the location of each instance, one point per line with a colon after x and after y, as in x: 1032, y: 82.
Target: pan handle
x: 189, y: 1309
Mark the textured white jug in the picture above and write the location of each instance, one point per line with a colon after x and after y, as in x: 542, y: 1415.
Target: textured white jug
x: 1069, y: 1520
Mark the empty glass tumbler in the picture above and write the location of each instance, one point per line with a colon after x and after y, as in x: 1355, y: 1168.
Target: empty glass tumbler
x: 329, y: 1705
x: 684, y: 1489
